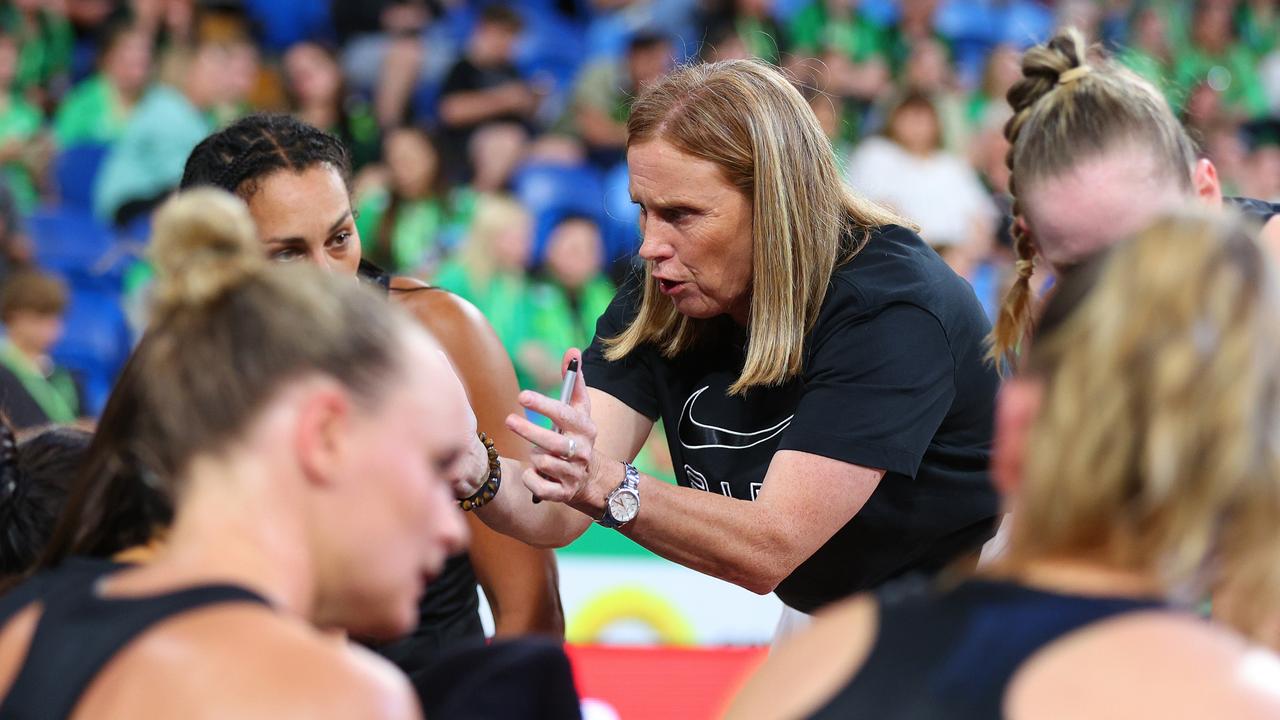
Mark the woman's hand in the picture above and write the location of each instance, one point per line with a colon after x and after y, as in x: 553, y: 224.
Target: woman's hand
x: 471, y: 470
x: 562, y: 466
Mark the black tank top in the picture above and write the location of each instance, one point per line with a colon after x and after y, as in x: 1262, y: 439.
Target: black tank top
x: 79, y: 632
x: 449, y: 616
x: 1259, y: 210
x: 951, y: 654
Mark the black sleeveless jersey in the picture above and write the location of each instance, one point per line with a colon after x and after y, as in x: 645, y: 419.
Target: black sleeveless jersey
x: 449, y: 615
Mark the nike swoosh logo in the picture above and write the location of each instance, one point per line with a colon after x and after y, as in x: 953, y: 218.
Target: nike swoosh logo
x: 695, y: 435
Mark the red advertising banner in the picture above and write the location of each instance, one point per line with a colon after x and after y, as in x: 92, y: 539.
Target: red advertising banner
x: 638, y: 683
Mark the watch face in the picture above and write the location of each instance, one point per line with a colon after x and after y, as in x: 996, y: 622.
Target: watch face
x: 624, y: 506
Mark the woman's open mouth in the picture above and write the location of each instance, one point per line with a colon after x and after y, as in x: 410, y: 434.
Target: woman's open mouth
x: 669, y: 287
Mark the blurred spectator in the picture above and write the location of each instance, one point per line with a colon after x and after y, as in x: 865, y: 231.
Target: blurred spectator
x: 485, y: 105
x: 722, y: 43
x: 1259, y: 23
x: 830, y: 118
x: 15, y: 247
x: 24, y: 149
x: 567, y: 299
x: 44, y: 36
x: 752, y: 22
x: 929, y: 72
x: 851, y: 49
x: 318, y: 95
x: 1213, y: 55
x: 604, y: 91
x: 1001, y: 71
x: 1261, y: 176
x: 33, y: 390
x: 243, y: 75
x: 408, y: 226
x: 908, y: 170
x: 1147, y: 51
x: 392, y: 49
x: 490, y: 270
x: 146, y: 163
x: 96, y: 110
x: 916, y: 24
x: 171, y: 23
x: 1223, y: 143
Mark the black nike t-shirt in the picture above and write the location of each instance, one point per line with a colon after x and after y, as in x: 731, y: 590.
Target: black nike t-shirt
x: 894, y: 378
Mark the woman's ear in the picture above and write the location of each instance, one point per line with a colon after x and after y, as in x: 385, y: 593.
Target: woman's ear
x: 320, y: 432
x: 1205, y: 180
x: 1016, y: 409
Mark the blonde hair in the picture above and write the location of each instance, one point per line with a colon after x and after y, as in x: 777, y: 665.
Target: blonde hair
x: 1157, y: 445
x: 745, y: 117
x: 1066, y: 110
x: 229, y: 328
x: 229, y: 331
x: 494, y: 215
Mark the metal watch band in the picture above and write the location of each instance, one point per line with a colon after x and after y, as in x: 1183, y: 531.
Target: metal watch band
x: 630, y: 481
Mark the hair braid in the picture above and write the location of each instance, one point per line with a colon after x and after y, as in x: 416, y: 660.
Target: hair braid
x: 246, y: 151
x: 1042, y: 68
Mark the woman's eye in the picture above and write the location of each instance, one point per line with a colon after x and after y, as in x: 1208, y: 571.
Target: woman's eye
x: 286, y: 255
x: 341, y: 240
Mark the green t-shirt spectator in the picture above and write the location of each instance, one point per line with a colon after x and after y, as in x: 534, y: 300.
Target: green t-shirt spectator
x: 503, y: 298
x: 812, y: 32
x: 557, y: 323
x: 147, y: 161
x: 90, y: 113
x: 44, y: 54
x: 20, y: 121
x: 424, y: 232
x: 1234, y: 73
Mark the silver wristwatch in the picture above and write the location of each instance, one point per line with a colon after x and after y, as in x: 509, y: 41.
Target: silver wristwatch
x: 623, y: 504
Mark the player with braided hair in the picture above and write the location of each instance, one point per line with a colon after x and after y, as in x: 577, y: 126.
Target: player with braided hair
x: 1095, y: 154
x: 294, y: 179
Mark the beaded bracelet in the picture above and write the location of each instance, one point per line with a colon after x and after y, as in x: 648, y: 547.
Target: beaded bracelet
x: 490, y: 487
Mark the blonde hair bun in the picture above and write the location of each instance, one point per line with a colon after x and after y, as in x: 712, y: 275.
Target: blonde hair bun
x: 204, y: 243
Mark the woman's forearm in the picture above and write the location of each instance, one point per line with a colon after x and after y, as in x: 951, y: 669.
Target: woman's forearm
x: 513, y: 512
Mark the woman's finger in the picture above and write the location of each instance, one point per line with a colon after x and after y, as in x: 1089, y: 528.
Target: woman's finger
x: 562, y: 415
x: 543, y: 488
x: 549, y: 440
x: 562, y: 471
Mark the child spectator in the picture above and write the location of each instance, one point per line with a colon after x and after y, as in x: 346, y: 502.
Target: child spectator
x: 33, y: 390
x: 490, y: 270
x: 566, y: 301
x: 318, y: 96
x: 408, y: 226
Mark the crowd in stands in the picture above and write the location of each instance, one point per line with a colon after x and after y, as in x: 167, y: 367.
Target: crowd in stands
x: 488, y: 138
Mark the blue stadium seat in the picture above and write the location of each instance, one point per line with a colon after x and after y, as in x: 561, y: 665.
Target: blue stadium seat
x: 552, y: 191
x: 75, y: 244
x: 95, y: 344
x: 76, y: 168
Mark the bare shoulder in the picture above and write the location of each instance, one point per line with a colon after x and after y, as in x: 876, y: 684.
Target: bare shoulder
x: 446, y: 315
x: 805, y: 671
x: 1270, y: 237
x: 248, y: 662
x: 1152, y: 664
